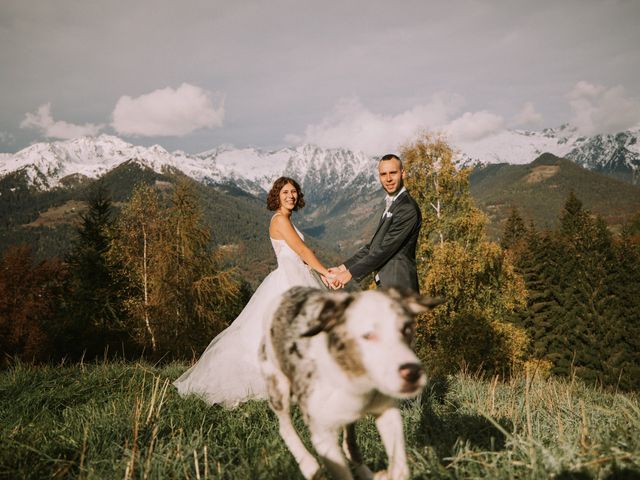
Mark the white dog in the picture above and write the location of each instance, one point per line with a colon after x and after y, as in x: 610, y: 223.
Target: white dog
x: 341, y: 356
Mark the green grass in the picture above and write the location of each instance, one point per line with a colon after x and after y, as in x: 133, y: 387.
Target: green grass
x: 125, y: 420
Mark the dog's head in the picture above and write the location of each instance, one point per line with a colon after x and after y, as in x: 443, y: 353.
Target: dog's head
x: 370, y: 334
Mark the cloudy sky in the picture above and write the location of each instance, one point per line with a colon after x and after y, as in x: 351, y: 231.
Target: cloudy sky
x: 363, y: 74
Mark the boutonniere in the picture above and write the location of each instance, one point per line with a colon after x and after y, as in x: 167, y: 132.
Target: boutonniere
x: 388, y: 215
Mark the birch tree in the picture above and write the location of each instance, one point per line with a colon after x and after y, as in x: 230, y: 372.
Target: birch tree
x: 456, y: 261
x: 137, y: 237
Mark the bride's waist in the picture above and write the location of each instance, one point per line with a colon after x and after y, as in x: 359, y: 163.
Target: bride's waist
x: 284, y: 260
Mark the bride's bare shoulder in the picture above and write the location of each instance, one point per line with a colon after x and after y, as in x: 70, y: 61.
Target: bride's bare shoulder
x: 278, y: 223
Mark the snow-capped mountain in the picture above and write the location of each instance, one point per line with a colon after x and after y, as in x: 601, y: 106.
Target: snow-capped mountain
x: 315, y: 168
x: 253, y: 170
x: 617, y: 155
x: 320, y: 171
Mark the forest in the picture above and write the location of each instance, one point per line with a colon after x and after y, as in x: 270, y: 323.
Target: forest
x: 146, y: 279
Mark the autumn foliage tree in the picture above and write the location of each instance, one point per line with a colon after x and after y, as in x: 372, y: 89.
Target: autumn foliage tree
x: 177, y: 296
x: 30, y: 297
x: 455, y: 261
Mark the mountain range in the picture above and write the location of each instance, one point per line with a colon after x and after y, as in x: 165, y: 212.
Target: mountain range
x: 340, y: 186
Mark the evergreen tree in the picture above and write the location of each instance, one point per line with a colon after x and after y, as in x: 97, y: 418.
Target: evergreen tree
x: 514, y: 230
x: 582, y: 308
x: 94, y: 306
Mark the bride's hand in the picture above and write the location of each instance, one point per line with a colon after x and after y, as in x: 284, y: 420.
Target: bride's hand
x: 329, y: 280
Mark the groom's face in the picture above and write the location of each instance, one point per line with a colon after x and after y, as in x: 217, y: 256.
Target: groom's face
x: 391, y: 175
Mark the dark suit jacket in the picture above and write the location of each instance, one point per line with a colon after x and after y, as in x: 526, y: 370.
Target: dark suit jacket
x: 392, y: 250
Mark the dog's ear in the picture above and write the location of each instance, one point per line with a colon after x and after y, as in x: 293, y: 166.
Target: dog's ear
x: 330, y: 315
x: 412, y: 301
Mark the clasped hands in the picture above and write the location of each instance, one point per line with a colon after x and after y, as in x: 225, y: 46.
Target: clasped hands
x: 338, y: 277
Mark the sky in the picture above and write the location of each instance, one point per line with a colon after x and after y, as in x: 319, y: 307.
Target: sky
x: 367, y: 75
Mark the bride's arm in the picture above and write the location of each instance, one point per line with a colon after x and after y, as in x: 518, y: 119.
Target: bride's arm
x: 282, y: 229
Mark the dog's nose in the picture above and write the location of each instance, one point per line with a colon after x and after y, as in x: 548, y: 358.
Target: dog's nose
x: 410, y: 372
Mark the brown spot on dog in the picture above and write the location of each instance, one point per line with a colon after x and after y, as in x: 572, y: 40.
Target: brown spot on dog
x: 345, y: 352
x: 275, y: 396
x: 293, y: 349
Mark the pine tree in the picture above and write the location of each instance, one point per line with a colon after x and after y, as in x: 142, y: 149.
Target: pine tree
x: 94, y: 306
x: 581, y: 282
x: 514, y: 230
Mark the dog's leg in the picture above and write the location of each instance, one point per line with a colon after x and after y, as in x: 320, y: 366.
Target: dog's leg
x: 352, y: 452
x: 278, y: 388
x: 325, y: 441
x: 389, y: 425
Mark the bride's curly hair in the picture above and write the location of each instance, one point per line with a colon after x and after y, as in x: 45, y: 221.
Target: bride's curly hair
x: 273, y: 198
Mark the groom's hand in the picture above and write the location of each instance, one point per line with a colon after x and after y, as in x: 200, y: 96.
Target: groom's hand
x: 335, y: 283
x: 343, y: 276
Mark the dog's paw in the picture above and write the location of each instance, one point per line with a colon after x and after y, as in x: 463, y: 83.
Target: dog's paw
x: 311, y: 469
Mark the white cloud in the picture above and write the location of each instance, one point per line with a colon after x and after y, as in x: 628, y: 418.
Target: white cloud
x: 527, y: 116
x: 598, y: 109
x: 167, y: 112
x: 473, y: 126
x: 43, y: 121
x: 353, y: 126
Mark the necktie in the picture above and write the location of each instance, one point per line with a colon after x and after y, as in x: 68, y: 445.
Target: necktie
x: 388, y: 200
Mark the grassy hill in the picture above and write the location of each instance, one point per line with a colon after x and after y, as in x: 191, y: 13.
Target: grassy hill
x: 125, y: 420
x: 540, y: 189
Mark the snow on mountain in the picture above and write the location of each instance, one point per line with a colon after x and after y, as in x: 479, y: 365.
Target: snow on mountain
x: 520, y: 146
x: 257, y: 170
x: 47, y: 163
x: 617, y: 155
x: 249, y: 168
x: 320, y: 171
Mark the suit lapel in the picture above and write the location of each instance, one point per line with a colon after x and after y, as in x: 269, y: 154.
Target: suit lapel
x: 393, y: 207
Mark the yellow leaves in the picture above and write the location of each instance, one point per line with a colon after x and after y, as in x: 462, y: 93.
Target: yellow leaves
x: 456, y: 262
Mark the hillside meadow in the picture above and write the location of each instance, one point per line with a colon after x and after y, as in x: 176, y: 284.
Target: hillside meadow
x: 125, y: 420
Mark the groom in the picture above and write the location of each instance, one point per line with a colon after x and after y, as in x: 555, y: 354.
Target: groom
x: 391, y: 253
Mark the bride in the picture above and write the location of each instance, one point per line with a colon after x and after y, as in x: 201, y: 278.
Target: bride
x: 228, y: 371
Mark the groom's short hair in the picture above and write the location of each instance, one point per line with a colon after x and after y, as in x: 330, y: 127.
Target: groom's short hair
x: 391, y: 156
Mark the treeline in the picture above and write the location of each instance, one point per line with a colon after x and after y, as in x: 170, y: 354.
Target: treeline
x: 562, y: 302
x: 583, y: 302
x: 142, y: 281
x: 146, y: 280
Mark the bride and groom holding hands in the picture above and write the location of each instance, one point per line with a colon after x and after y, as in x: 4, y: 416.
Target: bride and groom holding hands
x: 228, y: 371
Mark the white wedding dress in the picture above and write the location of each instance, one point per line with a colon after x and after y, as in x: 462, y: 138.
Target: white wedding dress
x: 228, y: 371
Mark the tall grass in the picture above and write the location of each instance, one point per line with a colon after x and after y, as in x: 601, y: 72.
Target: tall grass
x: 125, y: 420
